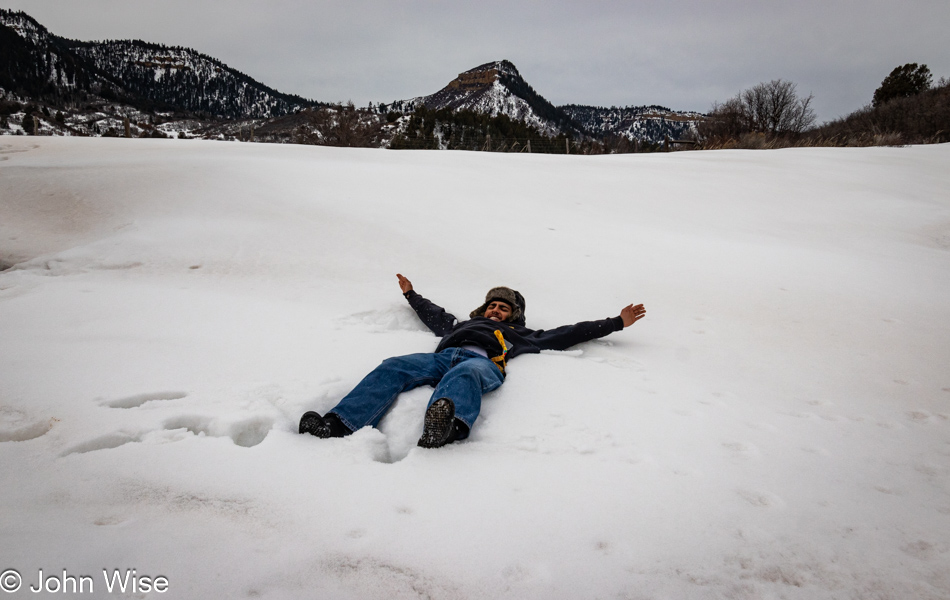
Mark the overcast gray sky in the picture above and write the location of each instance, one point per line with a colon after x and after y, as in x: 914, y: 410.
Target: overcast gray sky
x: 685, y: 54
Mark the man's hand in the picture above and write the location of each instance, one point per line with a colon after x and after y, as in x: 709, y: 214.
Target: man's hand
x: 404, y: 284
x: 631, y: 314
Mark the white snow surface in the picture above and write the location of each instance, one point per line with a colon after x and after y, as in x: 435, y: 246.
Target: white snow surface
x: 778, y: 426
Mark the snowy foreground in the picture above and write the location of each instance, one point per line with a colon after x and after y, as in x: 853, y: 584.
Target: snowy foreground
x: 777, y: 427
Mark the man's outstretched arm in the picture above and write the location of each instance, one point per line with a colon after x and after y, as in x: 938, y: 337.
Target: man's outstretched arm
x: 566, y: 336
x: 432, y: 315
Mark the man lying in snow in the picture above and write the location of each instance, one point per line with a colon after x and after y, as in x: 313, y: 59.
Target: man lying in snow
x: 469, y: 361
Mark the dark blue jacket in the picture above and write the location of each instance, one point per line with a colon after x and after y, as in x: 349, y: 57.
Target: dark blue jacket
x: 480, y: 331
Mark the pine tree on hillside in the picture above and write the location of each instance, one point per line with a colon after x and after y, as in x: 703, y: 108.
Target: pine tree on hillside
x: 903, y: 82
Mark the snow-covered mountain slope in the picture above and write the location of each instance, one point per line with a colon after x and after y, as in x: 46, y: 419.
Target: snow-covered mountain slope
x: 644, y: 123
x: 182, y: 77
x: 140, y: 76
x: 39, y: 64
x: 497, y: 88
x: 26, y: 27
x: 137, y: 73
x: 776, y: 427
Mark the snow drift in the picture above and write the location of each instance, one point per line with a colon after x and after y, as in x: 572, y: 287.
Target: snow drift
x: 777, y: 427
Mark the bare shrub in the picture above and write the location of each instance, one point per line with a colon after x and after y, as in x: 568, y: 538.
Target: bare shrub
x: 775, y: 108
x: 771, y: 109
x: 726, y: 121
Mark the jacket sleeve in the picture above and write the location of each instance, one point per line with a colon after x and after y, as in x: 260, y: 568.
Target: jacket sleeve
x: 566, y: 336
x: 433, y: 316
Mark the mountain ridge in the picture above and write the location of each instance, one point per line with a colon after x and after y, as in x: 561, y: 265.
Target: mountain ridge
x: 107, y: 86
x: 497, y: 88
x: 142, y: 74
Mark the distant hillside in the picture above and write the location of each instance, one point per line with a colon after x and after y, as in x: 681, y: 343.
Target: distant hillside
x: 183, y: 78
x: 497, y: 88
x: 40, y: 66
x: 641, y: 123
x: 55, y: 86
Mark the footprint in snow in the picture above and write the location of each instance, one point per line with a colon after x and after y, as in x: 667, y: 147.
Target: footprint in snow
x: 10, y: 149
x: 18, y: 426
x: 140, y: 399
x: 743, y: 450
x: 924, y: 550
x: 760, y: 499
x: 919, y: 416
x: 246, y: 433
x: 104, y: 442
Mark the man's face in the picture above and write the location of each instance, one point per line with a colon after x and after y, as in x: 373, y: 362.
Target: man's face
x: 498, y: 311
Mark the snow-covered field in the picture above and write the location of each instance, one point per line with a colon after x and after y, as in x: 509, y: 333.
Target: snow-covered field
x: 777, y: 427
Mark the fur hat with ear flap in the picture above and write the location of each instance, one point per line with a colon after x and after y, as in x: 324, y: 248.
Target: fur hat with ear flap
x: 511, y: 297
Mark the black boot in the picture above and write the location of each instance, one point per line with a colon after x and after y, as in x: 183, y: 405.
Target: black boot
x: 441, y: 427
x: 323, y: 427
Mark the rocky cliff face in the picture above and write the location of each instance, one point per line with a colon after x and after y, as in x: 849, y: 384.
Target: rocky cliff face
x: 474, y: 80
x: 497, y: 88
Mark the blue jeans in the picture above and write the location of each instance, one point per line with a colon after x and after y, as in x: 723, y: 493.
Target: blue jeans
x: 459, y: 375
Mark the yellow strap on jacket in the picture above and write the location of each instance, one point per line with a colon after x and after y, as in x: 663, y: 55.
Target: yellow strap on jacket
x: 500, y: 359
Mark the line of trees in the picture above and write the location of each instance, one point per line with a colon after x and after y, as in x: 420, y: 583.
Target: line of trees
x: 905, y: 108
x: 917, y: 119
x: 469, y: 130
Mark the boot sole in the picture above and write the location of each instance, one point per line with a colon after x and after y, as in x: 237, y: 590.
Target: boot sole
x: 437, y: 429
x: 310, y: 422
